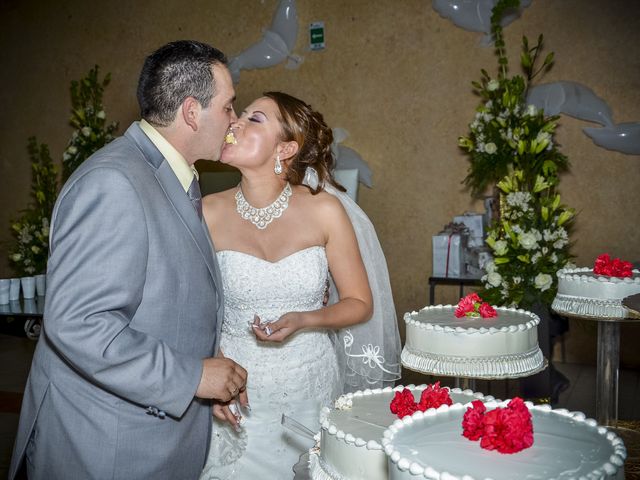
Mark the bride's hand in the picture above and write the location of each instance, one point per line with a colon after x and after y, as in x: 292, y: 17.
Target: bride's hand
x: 279, y: 330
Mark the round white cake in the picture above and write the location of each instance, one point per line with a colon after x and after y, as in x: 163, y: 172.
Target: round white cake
x: 566, y: 446
x: 350, y: 434
x: 585, y: 294
x: 505, y: 346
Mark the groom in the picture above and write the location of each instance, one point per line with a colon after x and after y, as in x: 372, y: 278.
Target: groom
x: 123, y: 372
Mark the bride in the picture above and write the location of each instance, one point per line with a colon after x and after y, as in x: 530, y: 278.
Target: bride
x: 282, y: 236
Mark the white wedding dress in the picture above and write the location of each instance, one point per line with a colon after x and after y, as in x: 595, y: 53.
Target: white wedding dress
x: 296, y: 377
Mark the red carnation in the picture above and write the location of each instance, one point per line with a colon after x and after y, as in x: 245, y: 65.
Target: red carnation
x: 433, y: 396
x: 508, y: 430
x: 487, y: 311
x: 403, y: 403
x: 473, y: 306
x: 616, y: 267
x: 472, y: 422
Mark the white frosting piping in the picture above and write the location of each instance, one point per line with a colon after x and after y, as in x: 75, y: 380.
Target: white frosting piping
x: 616, y: 460
x: 349, y: 439
x: 578, y: 274
x: 410, y: 320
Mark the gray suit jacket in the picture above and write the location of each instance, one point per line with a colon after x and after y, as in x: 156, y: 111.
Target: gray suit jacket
x: 132, y: 301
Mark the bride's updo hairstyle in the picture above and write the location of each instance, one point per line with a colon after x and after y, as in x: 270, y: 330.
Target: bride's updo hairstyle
x: 300, y: 123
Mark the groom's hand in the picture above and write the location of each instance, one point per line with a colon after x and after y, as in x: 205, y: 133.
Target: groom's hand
x: 222, y: 379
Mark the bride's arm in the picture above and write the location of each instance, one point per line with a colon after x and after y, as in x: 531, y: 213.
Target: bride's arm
x: 348, y: 272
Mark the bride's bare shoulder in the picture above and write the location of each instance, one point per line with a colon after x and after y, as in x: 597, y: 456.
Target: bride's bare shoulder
x: 215, y: 204
x: 322, y: 204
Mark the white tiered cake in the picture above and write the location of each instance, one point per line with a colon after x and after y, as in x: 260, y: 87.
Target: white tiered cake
x: 566, y: 445
x: 583, y: 293
x: 351, y: 433
x: 505, y: 346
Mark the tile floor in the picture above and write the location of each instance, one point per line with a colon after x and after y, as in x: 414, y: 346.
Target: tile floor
x: 16, y: 354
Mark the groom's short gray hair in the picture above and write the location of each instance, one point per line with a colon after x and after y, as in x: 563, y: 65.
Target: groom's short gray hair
x: 174, y: 72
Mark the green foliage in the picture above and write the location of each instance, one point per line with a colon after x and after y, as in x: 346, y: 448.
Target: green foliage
x: 44, y: 180
x: 506, y: 133
x: 511, y: 145
x: 89, y: 119
x: 31, y: 230
x: 530, y: 243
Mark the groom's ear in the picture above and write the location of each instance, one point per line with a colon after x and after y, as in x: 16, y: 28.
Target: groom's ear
x: 287, y: 150
x: 190, y: 111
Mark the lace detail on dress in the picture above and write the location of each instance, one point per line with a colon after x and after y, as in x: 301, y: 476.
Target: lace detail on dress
x: 296, y: 377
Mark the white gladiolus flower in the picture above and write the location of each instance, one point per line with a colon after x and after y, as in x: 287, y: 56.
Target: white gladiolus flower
x: 558, y: 244
x: 531, y: 110
x: 494, y: 278
x: 493, y: 85
x: 101, y: 114
x: 16, y: 257
x: 490, y: 148
x: 527, y: 240
x: 500, y: 247
x: 490, y: 267
x: 72, y: 150
x: 86, y: 131
x: 543, y: 136
x: 543, y: 281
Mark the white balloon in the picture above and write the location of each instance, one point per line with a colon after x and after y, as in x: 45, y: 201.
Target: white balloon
x: 571, y: 98
x: 579, y: 101
x: 276, y: 44
x: 474, y: 15
x: 623, y: 137
x: 347, y: 158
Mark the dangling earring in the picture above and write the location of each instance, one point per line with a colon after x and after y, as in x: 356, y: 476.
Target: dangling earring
x: 278, y: 166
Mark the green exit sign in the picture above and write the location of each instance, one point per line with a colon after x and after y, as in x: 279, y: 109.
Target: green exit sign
x: 316, y: 35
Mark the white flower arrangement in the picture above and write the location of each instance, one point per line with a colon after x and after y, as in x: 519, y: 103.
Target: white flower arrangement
x: 89, y: 119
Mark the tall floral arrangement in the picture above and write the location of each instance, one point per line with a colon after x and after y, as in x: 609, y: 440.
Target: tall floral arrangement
x: 31, y: 229
x: 89, y: 119
x: 511, y: 145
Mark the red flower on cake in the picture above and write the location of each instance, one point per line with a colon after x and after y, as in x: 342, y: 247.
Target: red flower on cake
x: 487, y: 311
x: 507, y: 430
x: 473, y: 306
x: 472, y: 422
x: 433, y: 396
x: 605, y: 265
x: 403, y: 403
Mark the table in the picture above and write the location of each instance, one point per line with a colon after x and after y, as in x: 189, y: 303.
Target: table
x: 607, y: 366
x: 27, y: 310
x: 461, y: 281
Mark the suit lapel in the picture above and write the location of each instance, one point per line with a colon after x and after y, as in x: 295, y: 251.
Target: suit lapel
x: 179, y: 199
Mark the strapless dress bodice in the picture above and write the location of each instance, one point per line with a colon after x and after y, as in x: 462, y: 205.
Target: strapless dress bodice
x: 253, y: 286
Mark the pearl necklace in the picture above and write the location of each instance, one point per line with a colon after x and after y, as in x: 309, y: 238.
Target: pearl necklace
x: 261, y: 217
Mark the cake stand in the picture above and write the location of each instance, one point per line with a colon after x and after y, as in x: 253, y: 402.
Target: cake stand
x: 608, y: 360
x: 468, y: 381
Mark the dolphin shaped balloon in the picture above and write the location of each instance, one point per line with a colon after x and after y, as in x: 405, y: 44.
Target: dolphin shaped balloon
x: 475, y: 15
x: 579, y: 101
x: 276, y: 44
x: 347, y: 158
